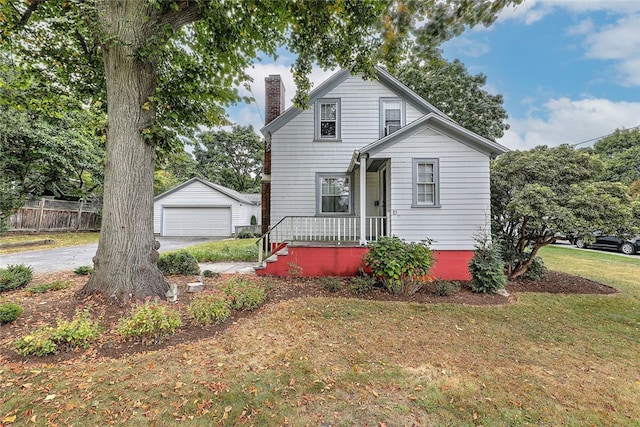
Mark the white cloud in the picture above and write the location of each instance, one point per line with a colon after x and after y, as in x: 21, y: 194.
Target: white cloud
x: 582, y: 28
x: 619, y: 42
x: 472, y: 47
x: 531, y: 11
x: 580, y: 6
x: 571, y: 122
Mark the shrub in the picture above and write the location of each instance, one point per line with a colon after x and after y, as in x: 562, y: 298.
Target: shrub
x: 254, y: 220
x: 402, y: 267
x: 47, y: 287
x: 248, y: 234
x: 294, y: 270
x: 361, y: 285
x: 211, y: 308
x: 211, y: 274
x: 81, y: 331
x: 179, y: 262
x: 486, y: 267
x: 83, y: 270
x: 9, y: 312
x: 331, y: 284
x: 244, y: 293
x: 536, y: 270
x: 150, y: 322
x: 39, y: 343
x: 445, y: 288
x: 15, y: 277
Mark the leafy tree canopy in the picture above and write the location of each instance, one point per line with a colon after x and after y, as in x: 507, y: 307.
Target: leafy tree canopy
x: 621, y: 154
x: 173, y: 170
x: 232, y: 159
x: 460, y: 95
x: 46, y: 150
x: 539, y: 193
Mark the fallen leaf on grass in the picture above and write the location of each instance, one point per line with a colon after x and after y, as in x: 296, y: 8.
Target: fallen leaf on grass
x: 9, y: 419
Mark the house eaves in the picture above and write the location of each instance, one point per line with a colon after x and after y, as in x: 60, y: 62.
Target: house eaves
x: 220, y: 188
x: 444, y: 126
x: 322, y: 89
x: 382, y: 75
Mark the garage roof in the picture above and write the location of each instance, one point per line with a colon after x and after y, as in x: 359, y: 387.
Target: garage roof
x: 249, y: 199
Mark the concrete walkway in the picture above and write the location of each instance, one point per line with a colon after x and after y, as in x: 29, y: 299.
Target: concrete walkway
x: 229, y: 267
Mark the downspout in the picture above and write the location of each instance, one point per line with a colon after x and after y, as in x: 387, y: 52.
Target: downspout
x: 363, y: 198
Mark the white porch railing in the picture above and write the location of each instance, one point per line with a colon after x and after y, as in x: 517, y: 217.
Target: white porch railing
x: 318, y: 229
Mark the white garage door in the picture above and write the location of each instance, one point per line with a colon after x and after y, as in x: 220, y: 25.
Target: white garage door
x: 196, y: 221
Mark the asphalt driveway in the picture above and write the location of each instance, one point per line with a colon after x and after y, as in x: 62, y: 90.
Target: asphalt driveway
x: 62, y: 259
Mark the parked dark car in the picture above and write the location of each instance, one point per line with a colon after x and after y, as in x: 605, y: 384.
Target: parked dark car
x: 626, y: 246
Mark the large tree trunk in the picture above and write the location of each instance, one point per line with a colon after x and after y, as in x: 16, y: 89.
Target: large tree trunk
x: 125, y: 264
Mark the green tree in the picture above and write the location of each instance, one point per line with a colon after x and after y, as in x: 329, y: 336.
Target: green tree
x: 232, y: 159
x: 539, y: 193
x: 173, y: 169
x: 167, y: 66
x: 621, y: 154
x: 460, y: 95
x: 45, y: 152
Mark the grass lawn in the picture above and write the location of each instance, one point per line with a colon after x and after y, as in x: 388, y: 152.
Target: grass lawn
x: 11, y: 243
x: 225, y: 250
x: 547, y: 359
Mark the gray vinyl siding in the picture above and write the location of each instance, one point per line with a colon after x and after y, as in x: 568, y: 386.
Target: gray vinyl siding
x: 296, y: 158
x: 198, y: 194
x: 464, y: 191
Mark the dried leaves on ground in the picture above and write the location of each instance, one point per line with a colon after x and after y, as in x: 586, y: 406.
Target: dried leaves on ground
x: 44, y: 309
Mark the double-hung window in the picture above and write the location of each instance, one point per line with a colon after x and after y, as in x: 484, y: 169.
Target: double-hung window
x: 333, y: 194
x: 391, y: 115
x: 426, y: 192
x: 327, y: 118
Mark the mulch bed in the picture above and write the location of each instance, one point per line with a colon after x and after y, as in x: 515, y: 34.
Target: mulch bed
x: 44, y: 309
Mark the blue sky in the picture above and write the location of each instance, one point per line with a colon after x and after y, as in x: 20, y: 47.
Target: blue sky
x: 569, y: 71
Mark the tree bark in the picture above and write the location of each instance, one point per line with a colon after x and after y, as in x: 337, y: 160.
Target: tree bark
x: 125, y: 265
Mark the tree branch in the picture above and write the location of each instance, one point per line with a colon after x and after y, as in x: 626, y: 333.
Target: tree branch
x: 186, y: 13
x: 32, y: 6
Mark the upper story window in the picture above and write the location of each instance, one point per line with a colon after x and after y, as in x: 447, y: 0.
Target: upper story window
x: 426, y: 191
x: 327, y: 113
x: 392, y: 115
x: 333, y: 193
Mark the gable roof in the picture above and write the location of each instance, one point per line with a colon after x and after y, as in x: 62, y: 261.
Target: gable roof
x: 242, y: 198
x: 382, y: 75
x: 439, y: 124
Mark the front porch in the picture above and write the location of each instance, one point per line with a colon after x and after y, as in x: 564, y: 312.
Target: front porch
x: 321, y: 246
x: 317, y: 246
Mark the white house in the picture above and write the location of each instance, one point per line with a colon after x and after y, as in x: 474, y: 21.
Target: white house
x: 201, y: 208
x: 370, y: 158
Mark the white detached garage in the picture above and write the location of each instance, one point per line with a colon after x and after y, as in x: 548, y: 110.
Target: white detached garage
x: 201, y: 208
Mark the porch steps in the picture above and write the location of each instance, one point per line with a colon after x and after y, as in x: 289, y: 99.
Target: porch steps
x: 272, y: 260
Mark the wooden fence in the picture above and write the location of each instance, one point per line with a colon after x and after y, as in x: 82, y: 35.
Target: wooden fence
x: 56, y: 215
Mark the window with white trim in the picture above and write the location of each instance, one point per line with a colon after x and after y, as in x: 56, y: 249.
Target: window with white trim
x: 391, y: 115
x: 327, y: 113
x: 334, y: 194
x: 425, y: 183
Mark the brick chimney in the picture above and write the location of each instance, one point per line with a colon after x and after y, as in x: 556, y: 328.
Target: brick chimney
x: 274, y: 106
x: 273, y: 98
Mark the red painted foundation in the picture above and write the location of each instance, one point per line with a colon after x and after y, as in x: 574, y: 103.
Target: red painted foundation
x: 452, y: 265
x: 345, y: 261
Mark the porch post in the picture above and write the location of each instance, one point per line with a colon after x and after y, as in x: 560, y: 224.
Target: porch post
x: 363, y: 198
